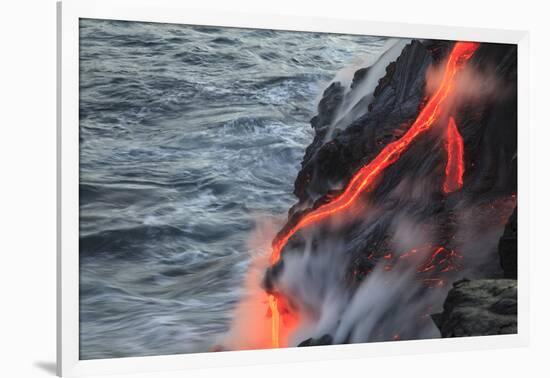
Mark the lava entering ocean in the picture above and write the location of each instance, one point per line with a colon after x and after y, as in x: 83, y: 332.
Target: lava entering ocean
x: 363, y: 180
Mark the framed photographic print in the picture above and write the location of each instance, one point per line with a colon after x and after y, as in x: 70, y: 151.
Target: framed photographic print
x: 238, y: 188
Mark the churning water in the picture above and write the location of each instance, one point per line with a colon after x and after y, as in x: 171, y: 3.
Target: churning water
x: 187, y: 135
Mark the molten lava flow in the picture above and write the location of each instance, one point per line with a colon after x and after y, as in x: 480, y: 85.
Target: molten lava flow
x: 454, y: 169
x: 446, y: 260
x: 389, y: 155
x: 274, y: 320
x: 367, y: 174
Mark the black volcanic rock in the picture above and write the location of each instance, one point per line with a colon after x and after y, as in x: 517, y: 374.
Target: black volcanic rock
x: 358, y: 77
x: 323, y: 340
x: 508, y: 247
x: 397, y: 100
x: 479, y: 307
x: 485, y: 307
x: 332, y: 98
x: 439, y: 48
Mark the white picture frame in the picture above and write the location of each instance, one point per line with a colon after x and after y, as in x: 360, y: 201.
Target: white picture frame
x: 172, y: 11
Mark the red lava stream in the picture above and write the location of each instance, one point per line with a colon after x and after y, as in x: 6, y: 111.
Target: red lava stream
x: 455, y: 159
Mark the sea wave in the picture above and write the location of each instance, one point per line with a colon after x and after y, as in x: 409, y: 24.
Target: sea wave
x: 186, y: 134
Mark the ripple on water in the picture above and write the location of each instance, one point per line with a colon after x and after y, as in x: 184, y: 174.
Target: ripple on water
x: 186, y: 132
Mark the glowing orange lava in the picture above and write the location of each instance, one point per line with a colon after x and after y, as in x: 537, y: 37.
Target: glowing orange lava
x: 446, y: 259
x: 274, y: 320
x: 366, y: 175
x: 454, y: 170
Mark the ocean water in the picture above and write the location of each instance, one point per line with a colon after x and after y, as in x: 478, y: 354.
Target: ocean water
x: 187, y: 135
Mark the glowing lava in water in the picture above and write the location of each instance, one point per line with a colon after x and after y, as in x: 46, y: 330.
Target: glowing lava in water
x: 274, y: 307
x: 454, y: 169
x: 366, y: 175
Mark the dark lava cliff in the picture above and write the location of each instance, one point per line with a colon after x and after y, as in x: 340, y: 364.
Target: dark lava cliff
x: 408, y: 211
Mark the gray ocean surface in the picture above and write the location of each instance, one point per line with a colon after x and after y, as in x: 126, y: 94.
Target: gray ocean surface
x: 187, y: 133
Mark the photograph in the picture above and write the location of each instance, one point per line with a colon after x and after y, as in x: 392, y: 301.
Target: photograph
x: 245, y: 189
x: 274, y: 189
